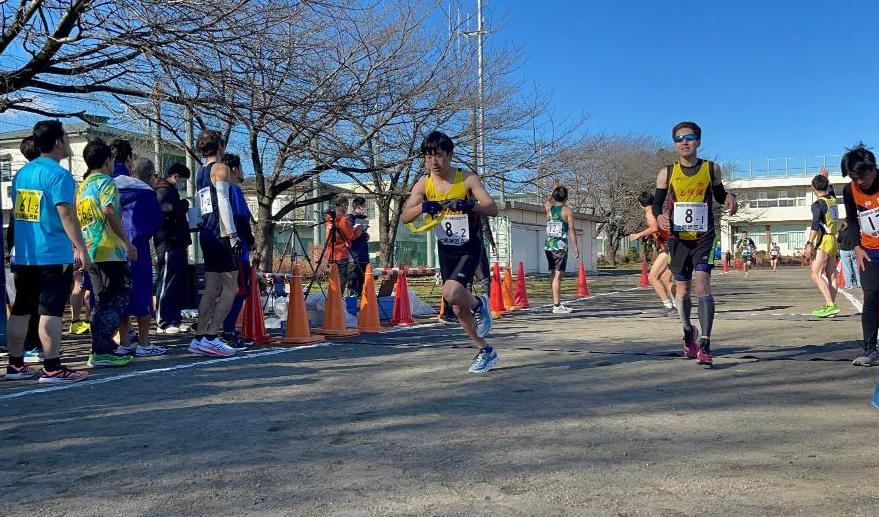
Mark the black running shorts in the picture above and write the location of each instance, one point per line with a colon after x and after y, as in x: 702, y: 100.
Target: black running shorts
x: 459, y: 267
x: 43, y: 290
x: 688, y: 256
x: 217, y: 254
x: 557, y: 260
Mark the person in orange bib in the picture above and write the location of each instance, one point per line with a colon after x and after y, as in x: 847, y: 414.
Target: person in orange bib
x: 861, y: 198
x: 690, y: 183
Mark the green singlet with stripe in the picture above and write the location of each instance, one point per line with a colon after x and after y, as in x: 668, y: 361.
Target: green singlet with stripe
x: 556, y: 230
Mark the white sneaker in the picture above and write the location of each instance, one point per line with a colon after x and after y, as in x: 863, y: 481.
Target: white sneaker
x: 211, y: 347
x: 667, y: 304
x: 561, y: 309
x: 150, y: 351
x: 184, y: 327
x: 170, y: 329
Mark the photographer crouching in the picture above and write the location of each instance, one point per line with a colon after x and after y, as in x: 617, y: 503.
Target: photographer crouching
x: 340, y: 235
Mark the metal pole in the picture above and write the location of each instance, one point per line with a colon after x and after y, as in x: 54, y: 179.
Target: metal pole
x: 480, y: 69
x: 194, y: 248
x: 318, y: 212
x: 157, y: 137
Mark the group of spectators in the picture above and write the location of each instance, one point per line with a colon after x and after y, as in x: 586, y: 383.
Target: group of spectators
x: 89, y: 244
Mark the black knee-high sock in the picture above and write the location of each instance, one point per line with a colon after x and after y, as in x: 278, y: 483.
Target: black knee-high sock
x: 706, y: 314
x: 685, y: 307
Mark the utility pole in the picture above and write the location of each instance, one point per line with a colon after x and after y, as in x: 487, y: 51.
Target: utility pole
x: 481, y: 92
x: 194, y: 248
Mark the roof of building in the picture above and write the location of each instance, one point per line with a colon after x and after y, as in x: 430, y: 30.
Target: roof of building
x: 83, y: 128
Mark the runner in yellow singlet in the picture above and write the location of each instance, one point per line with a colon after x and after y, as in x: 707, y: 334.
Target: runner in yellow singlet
x: 689, y: 185
x: 456, y: 199
x: 822, y: 243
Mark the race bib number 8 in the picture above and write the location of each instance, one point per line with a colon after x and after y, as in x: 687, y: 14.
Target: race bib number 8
x: 554, y: 229
x: 205, y: 203
x: 453, y: 230
x: 869, y: 220
x: 690, y: 217
x: 27, y: 205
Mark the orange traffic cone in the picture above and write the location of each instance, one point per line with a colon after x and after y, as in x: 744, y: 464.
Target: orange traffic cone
x: 509, y: 301
x: 645, y: 282
x: 725, y: 266
x: 521, y: 296
x: 496, y: 298
x: 840, y: 275
x: 297, y: 332
x: 402, y: 308
x: 582, y: 286
x: 253, y: 323
x: 334, y: 310
x: 367, y: 318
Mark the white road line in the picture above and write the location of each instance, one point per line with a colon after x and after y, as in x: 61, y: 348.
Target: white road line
x: 854, y: 301
x: 210, y: 362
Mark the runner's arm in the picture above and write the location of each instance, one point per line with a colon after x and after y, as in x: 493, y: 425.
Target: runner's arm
x: 485, y: 205
x: 652, y: 227
x: 71, y: 227
x: 661, y: 191
x: 851, y: 215
x: 412, y: 207
x: 220, y: 178
x: 572, y: 229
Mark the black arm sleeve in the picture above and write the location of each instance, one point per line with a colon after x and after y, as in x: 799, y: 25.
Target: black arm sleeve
x: 818, y: 211
x: 851, y: 215
x: 719, y: 193
x: 659, y: 201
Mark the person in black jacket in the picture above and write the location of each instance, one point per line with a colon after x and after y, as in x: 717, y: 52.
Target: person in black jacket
x: 360, y: 245
x: 171, y: 243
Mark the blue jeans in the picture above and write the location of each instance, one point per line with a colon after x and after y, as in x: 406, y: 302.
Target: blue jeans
x: 850, y: 268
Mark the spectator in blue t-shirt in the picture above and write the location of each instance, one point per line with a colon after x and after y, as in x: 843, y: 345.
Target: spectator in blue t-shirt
x: 46, y: 236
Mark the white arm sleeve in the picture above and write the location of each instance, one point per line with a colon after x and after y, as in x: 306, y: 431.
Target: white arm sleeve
x: 225, y: 207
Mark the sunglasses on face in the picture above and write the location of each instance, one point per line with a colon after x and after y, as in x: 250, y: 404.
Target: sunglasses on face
x: 688, y: 137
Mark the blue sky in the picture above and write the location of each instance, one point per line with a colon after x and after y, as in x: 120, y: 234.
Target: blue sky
x: 763, y: 79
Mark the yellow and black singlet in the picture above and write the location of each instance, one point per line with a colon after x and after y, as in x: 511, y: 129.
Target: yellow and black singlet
x: 689, y: 191
x: 455, y: 231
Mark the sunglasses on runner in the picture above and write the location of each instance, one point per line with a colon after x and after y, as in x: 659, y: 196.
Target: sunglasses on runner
x: 688, y: 137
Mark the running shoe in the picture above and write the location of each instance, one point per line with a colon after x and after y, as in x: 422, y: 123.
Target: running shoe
x: 668, y: 304
x: 14, y: 373
x: 211, y: 347
x: 691, y: 349
x: 63, y: 376
x: 33, y: 355
x: 483, y: 317
x: 237, y: 341
x: 870, y: 358
x: 484, y: 361
x: 149, y: 351
x: 561, y: 309
x: 79, y: 327
x: 827, y: 311
x: 449, y: 319
x: 111, y: 360
x: 126, y: 350
x: 703, y: 356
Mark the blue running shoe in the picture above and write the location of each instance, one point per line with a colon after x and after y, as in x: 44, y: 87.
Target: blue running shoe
x: 484, y: 361
x: 483, y: 316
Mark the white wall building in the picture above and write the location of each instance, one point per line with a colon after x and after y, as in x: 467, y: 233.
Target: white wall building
x: 775, y: 209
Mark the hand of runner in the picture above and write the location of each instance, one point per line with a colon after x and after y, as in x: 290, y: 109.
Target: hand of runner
x: 82, y: 257
x: 430, y: 207
x: 459, y: 205
x: 731, y: 205
x: 824, y: 171
x: 556, y: 183
x: 132, y: 253
x: 807, y: 252
x: 662, y: 221
x: 861, y: 256
x: 576, y: 252
x: 235, y: 242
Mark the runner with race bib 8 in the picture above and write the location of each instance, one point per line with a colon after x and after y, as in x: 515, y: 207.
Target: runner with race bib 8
x: 453, y: 201
x: 689, y: 184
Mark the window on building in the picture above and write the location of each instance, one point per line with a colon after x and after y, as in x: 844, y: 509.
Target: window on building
x: 5, y: 167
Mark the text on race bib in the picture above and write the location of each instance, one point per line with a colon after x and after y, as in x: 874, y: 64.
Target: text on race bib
x: 869, y: 220
x: 27, y: 205
x: 690, y: 217
x: 205, y: 203
x: 453, y: 230
x: 834, y: 212
x: 86, y: 212
x: 554, y: 229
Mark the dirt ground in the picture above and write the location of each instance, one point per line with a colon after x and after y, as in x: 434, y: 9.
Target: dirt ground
x: 594, y: 413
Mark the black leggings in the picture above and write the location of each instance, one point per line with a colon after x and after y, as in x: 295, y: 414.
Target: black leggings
x: 870, y: 285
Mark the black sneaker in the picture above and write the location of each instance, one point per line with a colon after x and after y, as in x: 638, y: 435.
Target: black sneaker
x: 237, y: 341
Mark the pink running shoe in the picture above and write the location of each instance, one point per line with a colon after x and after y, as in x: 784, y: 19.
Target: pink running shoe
x: 691, y: 348
x: 703, y: 357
